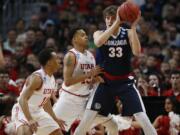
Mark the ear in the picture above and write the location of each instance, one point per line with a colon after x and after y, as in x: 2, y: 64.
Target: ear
x: 74, y: 39
x: 48, y: 62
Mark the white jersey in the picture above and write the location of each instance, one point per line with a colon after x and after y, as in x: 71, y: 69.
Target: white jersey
x: 40, y: 96
x: 84, y: 63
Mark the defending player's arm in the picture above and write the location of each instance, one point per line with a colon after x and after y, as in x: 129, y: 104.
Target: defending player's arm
x: 133, y: 38
x: 100, y: 37
x: 33, y: 82
x: 69, y: 65
x: 48, y: 108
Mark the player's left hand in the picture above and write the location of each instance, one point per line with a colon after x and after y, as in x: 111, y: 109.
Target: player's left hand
x: 61, y: 123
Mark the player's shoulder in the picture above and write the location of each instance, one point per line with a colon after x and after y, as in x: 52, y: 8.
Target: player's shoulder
x: 71, y: 53
x: 70, y: 57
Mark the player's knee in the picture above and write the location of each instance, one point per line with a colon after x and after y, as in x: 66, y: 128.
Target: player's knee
x: 56, y: 132
x: 24, y: 130
x: 141, y: 115
x: 112, y: 126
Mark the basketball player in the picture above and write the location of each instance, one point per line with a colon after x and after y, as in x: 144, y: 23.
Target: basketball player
x: 116, y: 46
x: 79, y: 72
x: 33, y: 113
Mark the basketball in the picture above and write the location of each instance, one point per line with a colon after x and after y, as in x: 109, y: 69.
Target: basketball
x: 128, y: 12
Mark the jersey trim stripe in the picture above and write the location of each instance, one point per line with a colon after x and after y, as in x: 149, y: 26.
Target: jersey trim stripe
x: 112, y: 77
x: 78, y: 95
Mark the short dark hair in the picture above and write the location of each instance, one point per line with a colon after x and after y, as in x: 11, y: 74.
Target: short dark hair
x: 175, y: 72
x: 45, y: 55
x: 110, y: 10
x: 175, y: 104
x: 73, y: 32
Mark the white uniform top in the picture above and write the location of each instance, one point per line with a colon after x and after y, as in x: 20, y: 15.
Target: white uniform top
x: 40, y: 96
x: 84, y: 63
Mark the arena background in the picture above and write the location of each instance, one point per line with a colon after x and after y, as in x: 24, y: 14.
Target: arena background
x: 27, y: 26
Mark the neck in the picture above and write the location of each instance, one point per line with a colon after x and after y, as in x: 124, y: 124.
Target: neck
x: 48, y: 71
x: 115, y: 32
x: 79, y: 48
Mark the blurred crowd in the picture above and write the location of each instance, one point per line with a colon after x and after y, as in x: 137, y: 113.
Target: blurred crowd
x: 157, y: 69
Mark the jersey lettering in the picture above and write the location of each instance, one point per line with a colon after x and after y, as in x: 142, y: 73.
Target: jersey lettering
x: 115, y: 52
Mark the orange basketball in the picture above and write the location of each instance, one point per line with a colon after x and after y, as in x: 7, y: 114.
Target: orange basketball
x: 128, y: 12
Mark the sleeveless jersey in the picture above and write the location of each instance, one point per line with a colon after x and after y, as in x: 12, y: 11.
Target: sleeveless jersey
x: 84, y: 63
x: 40, y: 96
x: 115, y: 55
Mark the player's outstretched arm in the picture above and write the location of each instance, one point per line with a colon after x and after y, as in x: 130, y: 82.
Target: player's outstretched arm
x: 133, y: 38
x: 69, y: 65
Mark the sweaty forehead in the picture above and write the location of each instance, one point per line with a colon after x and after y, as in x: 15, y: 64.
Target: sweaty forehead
x: 54, y: 54
x: 80, y: 32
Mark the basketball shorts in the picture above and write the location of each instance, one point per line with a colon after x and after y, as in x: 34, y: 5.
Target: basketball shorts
x: 70, y: 108
x: 46, y: 123
x: 103, y: 99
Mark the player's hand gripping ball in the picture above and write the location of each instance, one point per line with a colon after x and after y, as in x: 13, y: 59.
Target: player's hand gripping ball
x: 128, y: 12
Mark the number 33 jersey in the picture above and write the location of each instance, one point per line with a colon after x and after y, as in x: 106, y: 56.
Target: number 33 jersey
x: 115, y: 55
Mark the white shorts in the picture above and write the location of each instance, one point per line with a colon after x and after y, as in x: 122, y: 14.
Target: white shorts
x: 69, y: 108
x: 46, y: 123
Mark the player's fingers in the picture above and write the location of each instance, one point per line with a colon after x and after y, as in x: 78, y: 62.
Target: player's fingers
x: 33, y: 129
x: 34, y: 126
x: 62, y: 126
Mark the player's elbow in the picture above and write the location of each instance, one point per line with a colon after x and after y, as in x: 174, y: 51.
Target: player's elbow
x: 2, y: 63
x: 137, y: 52
x: 21, y: 100
x: 67, y: 83
x: 98, y: 42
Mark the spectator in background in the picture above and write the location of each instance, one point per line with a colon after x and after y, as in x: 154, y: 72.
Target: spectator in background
x: 51, y: 43
x: 34, y: 22
x: 168, y: 124
x: 10, y: 44
x: 32, y: 60
x: 173, y: 64
x: 20, y: 54
x: 142, y: 85
x: 20, y: 26
x: 11, y: 66
x: 176, y: 57
x: 20, y: 29
x: 30, y: 41
x: 39, y: 43
x: 151, y: 64
x: 154, y: 83
x: 8, y: 93
x: 145, y: 88
x: 50, y: 29
x: 175, y: 85
x: 165, y: 71
x: 141, y: 63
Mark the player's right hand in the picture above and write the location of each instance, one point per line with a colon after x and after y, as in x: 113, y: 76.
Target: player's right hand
x: 95, y: 71
x: 33, y: 125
